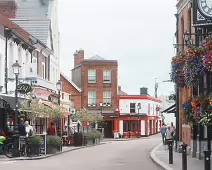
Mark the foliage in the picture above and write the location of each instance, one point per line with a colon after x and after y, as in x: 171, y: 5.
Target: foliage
x: 83, y: 116
x: 37, y: 109
x: 53, y: 140
x: 92, y: 135
x: 35, y: 140
x: 198, y: 110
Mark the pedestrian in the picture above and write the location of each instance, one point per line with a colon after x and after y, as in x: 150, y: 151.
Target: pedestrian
x: 51, y: 130
x: 29, y: 129
x: 22, y: 128
x: 163, y: 133
x: 2, y: 139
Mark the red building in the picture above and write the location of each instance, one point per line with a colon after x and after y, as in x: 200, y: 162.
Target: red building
x: 97, y: 78
x: 138, y: 113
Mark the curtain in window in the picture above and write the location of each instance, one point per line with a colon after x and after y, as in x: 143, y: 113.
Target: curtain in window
x: 91, y: 97
x: 91, y: 75
x: 107, y: 75
x: 107, y: 97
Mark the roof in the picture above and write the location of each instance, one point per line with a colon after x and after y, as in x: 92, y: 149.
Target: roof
x: 37, y: 28
x: 11, y: 25
x: 71, y: 82
x: 96, y: 57
x: 139, y: 97
x: 122, y: 93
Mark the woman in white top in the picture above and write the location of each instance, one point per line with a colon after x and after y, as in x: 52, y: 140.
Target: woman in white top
x: 29, y: 129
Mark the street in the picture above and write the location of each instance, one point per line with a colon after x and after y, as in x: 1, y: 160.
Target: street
x: 116, y: 155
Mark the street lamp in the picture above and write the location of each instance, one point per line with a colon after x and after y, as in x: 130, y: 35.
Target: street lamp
x: 139, y: 107
x: 16, y: 70
x: 59, y: 88
x: 101, y: 105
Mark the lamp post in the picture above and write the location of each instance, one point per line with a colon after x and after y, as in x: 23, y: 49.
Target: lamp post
x: 59, y: 88
x: 16, y: 70
x: 139, y: 107
x: 101, y: 105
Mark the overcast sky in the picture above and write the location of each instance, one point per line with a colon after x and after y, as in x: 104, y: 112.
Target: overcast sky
x: 137, y: 33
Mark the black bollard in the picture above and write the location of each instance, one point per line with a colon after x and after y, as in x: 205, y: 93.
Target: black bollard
x: 170, y: 142
x: 184, y: 156
x: 207, y: 160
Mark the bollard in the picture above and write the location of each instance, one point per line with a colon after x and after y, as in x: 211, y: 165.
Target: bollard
x: 169, y: 141
x: 184, y: 156
x: 207, y: 160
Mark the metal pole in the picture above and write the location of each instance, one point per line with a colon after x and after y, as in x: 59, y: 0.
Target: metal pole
x: 184, y: 156
x: 207, y: 160
x: 138, y: 124
x: 15, y: 151
x: 170, y: 151
x: 58, y: 123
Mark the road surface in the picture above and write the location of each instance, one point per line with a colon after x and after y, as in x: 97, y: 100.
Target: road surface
x: 115, y: 155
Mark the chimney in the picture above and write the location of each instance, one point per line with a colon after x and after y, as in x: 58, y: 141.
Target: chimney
x: 143, y: 91
x: 119, y: 88
x: 78, y: 57
x: 8, y: 8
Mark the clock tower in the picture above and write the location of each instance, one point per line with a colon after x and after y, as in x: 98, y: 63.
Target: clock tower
x: 202, y: 12
x: 8, y: 8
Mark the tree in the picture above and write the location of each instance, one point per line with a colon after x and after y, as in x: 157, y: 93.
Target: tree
x: 83, y: 116
x: 37, y: 109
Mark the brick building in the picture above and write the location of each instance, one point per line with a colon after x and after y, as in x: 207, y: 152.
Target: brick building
x: 98, y: 79
x: 71, y: 94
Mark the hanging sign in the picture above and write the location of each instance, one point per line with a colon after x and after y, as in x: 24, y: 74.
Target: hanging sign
x: 24, y: 88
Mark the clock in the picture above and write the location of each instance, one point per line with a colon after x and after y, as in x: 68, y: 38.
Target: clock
x: 205, y: 7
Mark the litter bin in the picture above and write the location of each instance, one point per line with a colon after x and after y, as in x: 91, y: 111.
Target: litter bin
x: 78, y: 139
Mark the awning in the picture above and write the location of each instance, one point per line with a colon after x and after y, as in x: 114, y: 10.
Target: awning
x: 47, y: 103
x: 11, y: 101
x: 171, y: 109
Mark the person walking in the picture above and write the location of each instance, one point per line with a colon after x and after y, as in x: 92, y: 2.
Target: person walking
x: 22, y: 128
x: 163, y: 132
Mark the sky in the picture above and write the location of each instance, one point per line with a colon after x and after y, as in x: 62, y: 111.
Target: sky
x: 137, y: 33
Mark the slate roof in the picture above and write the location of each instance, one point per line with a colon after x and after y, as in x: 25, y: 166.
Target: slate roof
x: 37, y: 28
x: 96, y: 57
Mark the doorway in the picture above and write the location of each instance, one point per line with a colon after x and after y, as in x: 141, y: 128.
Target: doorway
x: 108, y: 129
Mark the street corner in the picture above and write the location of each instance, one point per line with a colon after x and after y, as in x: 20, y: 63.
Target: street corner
x: 158, y: 161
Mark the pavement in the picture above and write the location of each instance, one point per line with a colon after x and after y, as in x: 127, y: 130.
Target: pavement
x: 115, y: 155
x: 160, y: 156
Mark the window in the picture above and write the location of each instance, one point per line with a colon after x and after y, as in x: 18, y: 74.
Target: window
x: 69, y: 97
x: 35, y: 57
x: 124, y: 127
x: 133, y: 127
x: 107, y: 76
x: 44, y: 67
x: 91, y: 98
x: 62, y: 95
x: 132, y: 107
x: 91, y: 76
x: 107, y: 97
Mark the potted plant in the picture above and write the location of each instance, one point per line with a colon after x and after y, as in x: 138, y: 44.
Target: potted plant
x: 97, y: 135
x: 51, y: 144
x: 90, y: 138
x: 35, y: 145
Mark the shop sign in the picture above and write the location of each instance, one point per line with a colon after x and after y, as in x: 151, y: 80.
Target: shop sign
x: 24, y: 88
x: 110, y: 117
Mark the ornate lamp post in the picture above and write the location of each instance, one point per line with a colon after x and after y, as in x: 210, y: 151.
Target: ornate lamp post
x: 139, y: 107
x: 16, y: 70
x: 59, y: 88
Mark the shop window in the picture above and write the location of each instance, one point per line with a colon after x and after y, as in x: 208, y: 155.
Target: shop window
x: 133, y: 127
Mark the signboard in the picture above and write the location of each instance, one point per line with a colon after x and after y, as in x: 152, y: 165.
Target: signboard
x: 24, y: 88
x: 110, y: 117
x: 43, y: 142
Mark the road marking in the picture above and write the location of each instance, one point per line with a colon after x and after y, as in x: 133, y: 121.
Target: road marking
x: 8, y: 162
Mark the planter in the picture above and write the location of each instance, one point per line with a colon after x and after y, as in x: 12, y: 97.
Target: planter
x: 97, y: 141
x: 90, y: 142
x: 51, y: 149
x: 78, y: 139
x: 35, y: 149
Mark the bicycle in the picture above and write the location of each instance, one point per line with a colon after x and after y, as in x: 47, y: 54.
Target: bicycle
x: 24, y: 148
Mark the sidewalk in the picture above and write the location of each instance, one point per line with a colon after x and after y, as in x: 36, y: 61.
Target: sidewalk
x: 160, y: 156
x: 122, y: 139
x: 64, y: 150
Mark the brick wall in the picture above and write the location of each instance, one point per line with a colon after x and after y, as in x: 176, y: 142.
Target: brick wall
x: 75, y: 94
x: 99, y: 86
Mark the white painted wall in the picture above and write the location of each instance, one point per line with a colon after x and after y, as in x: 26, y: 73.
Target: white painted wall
x: 124, y: 105
x: 143, y: 124
x: 121, y: 127
x: 2, y: 62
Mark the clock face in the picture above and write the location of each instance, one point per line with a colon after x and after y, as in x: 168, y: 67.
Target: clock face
x: 206, y: 7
